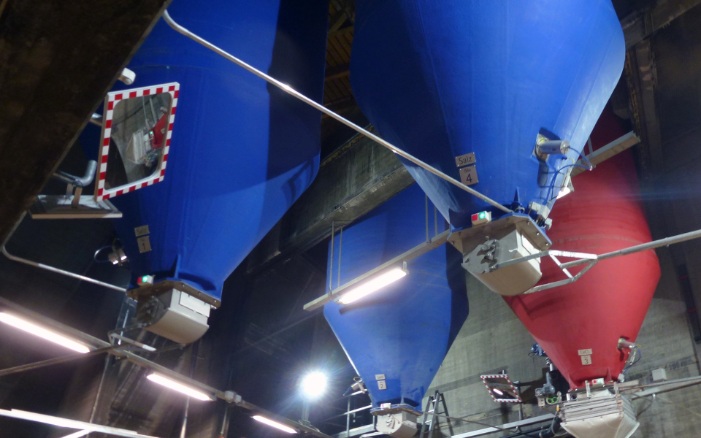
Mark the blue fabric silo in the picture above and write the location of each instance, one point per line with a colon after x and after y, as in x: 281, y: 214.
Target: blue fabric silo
x: 397, y: 338
x: 242, y: 151
x: 444, y: 78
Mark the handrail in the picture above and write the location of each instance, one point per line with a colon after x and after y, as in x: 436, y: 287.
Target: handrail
x: 49, y: 268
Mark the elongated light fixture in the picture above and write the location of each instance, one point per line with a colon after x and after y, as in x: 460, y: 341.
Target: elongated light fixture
x: 78, y: 434
x: 273, y: 423
x: 44, y: 333
x: 178, y: 386
x: 372, y: 285
x: 70, y: 424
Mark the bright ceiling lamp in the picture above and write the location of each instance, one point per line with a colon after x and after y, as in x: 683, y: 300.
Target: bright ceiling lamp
x: 273, y: 423
x: 313, y: 385
x: 42, y: 332
x: 179, y: 387
x: 372, y: 285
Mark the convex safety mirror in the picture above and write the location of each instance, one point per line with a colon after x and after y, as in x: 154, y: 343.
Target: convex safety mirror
x: 501, y: 388
x: 136, y: 131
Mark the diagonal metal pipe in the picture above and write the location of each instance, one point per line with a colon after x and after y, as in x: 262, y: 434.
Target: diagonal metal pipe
x: 294, y: 93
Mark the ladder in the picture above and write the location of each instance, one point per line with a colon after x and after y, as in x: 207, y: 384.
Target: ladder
x: 434, y: 403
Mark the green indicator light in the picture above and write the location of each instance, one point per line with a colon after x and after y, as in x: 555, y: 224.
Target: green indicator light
x: 144, y: 279
x: 483, y: 214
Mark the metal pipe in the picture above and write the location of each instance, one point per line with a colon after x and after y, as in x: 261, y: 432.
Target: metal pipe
x: 348, y: 406
x: 642, y: 247
x: 506, y: 426
x: 333, y: 237
x: 194, y: 351
x: 547, y: 286
x: 428, y: 236
x: 96, y: 119
x: 340, y: 254
x: 364, y: 408
x: 59, y: 271
x: 125, y: 310
x: 289, y: 90
x: 32, y: 263
x: 591, y: 259
x: 52, y: 361
x: 224, y: 429
x: 79, y: 181
x: 132, y: 342
x: 103, y: 346
x: 71, y: 424
x: 414, y: 252
x: 348, y: 412
x: 183, y: 427
x: 670, y: 385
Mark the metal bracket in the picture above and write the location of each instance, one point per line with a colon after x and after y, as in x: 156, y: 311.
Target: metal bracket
x: 591, y: 259
x: 72, y: 207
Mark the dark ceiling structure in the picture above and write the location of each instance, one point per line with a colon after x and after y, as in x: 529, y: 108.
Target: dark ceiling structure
x: 58, y: 60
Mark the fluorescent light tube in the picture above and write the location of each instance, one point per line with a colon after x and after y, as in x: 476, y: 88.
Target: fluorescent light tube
x: 78, y: 434
x: 177, y: 386
x: 42, y: 332
x: 274, y: 424
x: 70, y: 424
x: 372, y: 285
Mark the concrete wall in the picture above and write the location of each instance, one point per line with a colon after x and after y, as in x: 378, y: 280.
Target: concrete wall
x: 493, y: 339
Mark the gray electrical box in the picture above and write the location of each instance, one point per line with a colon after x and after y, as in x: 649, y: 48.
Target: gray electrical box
x: 484, y: 263
x: 175, y: 315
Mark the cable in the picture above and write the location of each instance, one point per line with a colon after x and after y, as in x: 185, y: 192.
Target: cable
x: 97, y: 253
x: 549, y: 195
x: 633, y: 358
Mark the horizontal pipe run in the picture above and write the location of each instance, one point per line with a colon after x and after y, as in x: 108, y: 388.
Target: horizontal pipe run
x: 353, y: 411
x: 591, y: 259
x: 670, y: 385
x: 53, y: 361
x: 291, y: 91
x: 506, y: 426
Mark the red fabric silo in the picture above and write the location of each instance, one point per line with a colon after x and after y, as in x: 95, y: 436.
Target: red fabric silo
x: 610, y: 301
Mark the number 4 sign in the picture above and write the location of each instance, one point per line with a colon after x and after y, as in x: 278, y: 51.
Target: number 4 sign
x: 468, y: 175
